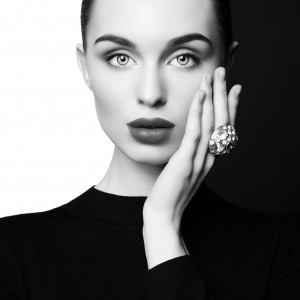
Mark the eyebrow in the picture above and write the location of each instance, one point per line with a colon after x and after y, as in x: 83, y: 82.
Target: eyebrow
x: 170, y: 44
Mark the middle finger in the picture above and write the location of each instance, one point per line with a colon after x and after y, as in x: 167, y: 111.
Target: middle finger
x: 220, y: 98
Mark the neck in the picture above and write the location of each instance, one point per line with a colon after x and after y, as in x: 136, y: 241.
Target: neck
x: 129, y: 178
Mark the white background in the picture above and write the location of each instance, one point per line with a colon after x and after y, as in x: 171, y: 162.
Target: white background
x: 52, y: 147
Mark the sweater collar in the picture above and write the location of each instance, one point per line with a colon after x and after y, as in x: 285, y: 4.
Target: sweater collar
x: 127, y: 210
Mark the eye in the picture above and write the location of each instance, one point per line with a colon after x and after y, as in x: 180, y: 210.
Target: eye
x: 121, y: 60
x: 186, y: 60
x: 118, y: 60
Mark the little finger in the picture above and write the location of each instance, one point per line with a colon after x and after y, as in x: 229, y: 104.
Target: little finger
x: 233, y: 101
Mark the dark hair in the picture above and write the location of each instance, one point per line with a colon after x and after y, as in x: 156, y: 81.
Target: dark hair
x: 224, y: 24
x: 86, y: 14
x: 222, y: 13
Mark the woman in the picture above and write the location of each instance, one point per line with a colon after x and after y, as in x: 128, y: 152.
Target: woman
x: 151, y: 229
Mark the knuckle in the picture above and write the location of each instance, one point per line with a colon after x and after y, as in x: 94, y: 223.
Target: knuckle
x: 202, y: 94
x: 210, y: 128
x: 223, y: 93
x: 197, y: 139
x: 193, y: 135
x: 185, y: 170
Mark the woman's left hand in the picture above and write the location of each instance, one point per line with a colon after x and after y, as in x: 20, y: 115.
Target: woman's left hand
x: 189, y: 165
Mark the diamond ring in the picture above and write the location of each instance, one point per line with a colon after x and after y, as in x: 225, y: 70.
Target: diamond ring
x: 222, y: 140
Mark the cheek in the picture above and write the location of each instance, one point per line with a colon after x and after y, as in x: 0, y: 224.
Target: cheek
x: 107, y: 104
x: 112, y: 91
x: 112, y: 94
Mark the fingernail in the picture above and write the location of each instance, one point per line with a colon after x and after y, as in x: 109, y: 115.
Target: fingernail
x: 238, y: 90
x: 201, y: 95
x: 222, y: 74
x: 208, y: 78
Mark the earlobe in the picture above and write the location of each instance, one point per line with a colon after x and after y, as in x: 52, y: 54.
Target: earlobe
x: 231, y: 54
x: 81, y: 60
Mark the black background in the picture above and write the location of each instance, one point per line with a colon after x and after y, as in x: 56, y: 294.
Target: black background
x: 262, y: 173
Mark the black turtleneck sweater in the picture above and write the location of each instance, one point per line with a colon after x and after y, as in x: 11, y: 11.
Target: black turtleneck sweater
x: 92, y: 248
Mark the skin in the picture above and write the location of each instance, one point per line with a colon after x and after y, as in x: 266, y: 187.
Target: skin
x: 154, y: 83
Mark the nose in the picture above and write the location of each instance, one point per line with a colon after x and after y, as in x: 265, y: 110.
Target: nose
x: 150, y: 89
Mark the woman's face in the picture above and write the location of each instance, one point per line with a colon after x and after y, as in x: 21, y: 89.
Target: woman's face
x: 154, y: 78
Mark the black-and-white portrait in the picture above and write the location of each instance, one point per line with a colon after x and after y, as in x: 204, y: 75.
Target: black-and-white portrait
x: 149, y: 150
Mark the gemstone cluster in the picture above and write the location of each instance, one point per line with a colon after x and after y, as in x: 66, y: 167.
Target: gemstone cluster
x: 222, y: 140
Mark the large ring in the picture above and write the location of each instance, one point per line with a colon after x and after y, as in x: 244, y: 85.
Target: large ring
x: 222, y: 140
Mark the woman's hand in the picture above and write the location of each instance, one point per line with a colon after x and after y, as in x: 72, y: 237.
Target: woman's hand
x: 185, y: 171
x: 189, y: 165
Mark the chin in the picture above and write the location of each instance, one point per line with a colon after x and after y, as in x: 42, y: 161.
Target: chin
x: 149, y: 154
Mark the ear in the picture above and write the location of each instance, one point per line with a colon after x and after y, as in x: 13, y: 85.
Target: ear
x: 231, y: 55
x: 81, y: 60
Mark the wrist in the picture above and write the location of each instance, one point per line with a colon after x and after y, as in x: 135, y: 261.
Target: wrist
x: 162, y: 242
x: 159, y: 219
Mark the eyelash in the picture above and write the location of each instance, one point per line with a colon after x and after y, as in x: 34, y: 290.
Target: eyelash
x: 110, y: 56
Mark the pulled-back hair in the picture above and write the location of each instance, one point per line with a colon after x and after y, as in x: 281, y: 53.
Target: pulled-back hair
x: 224, y: 24
x: 86, y: 14
x: 222, y: 13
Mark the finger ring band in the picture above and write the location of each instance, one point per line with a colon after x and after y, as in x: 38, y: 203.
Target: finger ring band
x: 222, y: 140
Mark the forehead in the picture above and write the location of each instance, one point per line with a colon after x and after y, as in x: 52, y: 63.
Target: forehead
x: 152, y: 20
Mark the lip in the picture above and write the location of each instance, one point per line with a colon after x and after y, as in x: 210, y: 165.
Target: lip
x: 151, y: 123
x: 150, y: 135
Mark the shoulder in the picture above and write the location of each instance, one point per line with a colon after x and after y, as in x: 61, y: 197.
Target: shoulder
x: 22, y: 236
x: 208, y: 213
x: 289, y: 234
x: 31, y: 219
x: 284, y: 227
x: 22, y: 229
x: 282, y: 230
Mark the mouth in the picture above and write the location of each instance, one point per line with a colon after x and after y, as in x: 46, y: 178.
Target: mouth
x: 150, y: 131
x: 151, y: 123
